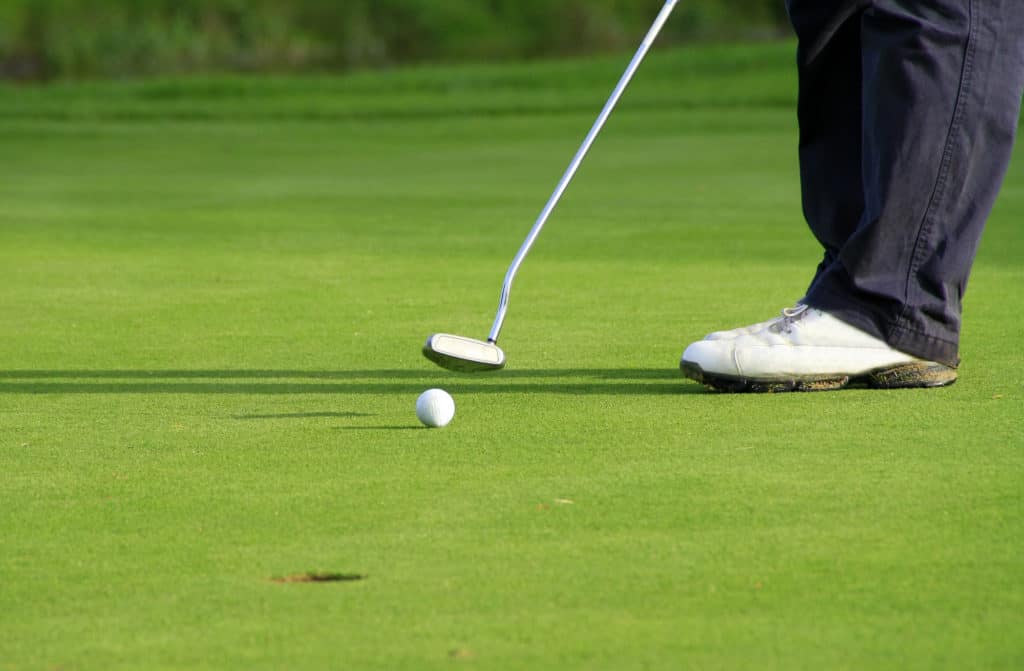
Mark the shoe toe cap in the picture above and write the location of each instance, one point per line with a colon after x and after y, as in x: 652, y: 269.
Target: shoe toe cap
x: 712, y: 356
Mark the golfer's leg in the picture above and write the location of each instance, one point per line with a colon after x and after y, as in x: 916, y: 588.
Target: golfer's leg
x: 829, y: 107
x: 809, y: 349
x: 942, y: 84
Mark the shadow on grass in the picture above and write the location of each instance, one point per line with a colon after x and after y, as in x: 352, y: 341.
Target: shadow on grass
x: 392, y: 427
x: 305, y: 415
x: 609, y: 381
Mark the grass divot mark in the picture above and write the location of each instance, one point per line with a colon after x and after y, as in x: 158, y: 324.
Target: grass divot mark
x: 320, y: 577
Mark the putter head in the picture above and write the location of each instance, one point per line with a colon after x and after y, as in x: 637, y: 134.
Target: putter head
x: 464, y: 355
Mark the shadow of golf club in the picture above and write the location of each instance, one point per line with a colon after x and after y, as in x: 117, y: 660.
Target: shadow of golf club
x: 613, y: 381
x: 306, y: 415
x: 391, y: 374
x: 395, y: 427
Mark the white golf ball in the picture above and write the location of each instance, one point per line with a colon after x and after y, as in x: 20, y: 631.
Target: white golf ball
x: 435, y: 408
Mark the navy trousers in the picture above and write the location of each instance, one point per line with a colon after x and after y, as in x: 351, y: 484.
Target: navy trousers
x: 908, y: 111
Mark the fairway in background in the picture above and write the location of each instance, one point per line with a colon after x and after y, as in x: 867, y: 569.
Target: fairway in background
x: 214, y: 295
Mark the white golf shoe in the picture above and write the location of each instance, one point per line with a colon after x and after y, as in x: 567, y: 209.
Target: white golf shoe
x: 805, y: 349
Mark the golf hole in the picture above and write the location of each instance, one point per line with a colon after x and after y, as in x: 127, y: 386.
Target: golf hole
x: 320, y: 577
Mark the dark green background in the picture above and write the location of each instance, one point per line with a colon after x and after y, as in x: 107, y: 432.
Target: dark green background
x: 46, y: 39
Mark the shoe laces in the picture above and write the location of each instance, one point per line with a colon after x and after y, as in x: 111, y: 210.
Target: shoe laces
x: 789, y: 317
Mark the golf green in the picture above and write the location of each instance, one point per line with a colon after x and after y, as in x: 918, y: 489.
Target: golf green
x: 213, y: 294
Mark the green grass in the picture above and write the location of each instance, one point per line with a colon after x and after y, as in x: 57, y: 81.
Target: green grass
x: 212, y: 298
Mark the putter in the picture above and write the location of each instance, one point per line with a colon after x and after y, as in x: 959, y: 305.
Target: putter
x: 469, y: 355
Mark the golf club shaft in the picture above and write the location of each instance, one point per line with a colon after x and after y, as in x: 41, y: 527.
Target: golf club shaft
x: 609, y: 106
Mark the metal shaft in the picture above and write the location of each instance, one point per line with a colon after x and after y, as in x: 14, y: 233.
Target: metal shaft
x: 609, y: 106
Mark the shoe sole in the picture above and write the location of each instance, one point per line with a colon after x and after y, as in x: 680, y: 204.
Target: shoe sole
x: 906, y: 376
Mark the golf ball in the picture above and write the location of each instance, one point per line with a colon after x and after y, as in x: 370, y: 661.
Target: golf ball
x: 435, y: 408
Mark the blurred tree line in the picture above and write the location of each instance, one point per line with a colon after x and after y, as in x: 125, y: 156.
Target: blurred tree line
x: 45, y: 39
